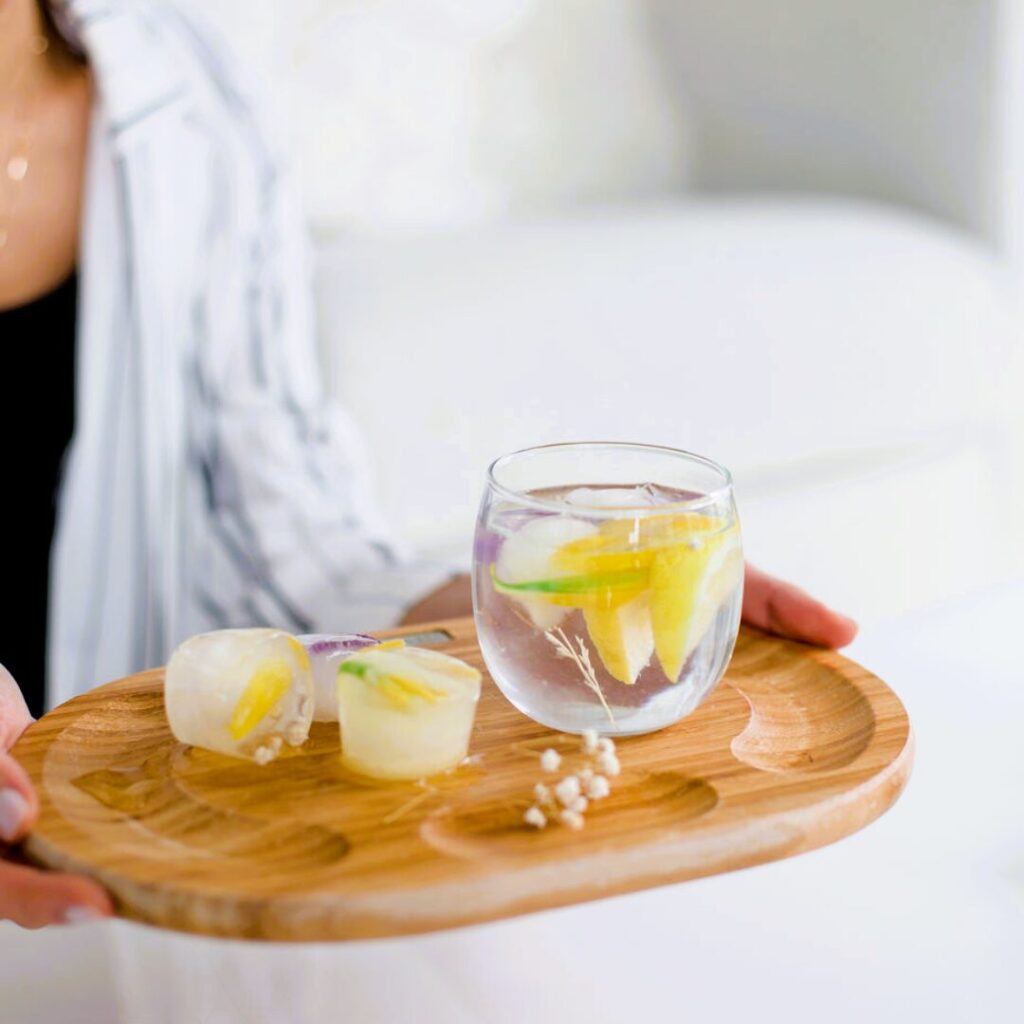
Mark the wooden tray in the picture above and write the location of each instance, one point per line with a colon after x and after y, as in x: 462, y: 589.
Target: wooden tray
x: 797, y: 748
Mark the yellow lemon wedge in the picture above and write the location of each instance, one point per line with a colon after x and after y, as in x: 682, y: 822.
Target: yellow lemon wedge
x: 269, y: 683
x: 623, y: 637
x: 653, y: 532
x: 601, y: 554
x: 626, y: 550
x: 689, y: 582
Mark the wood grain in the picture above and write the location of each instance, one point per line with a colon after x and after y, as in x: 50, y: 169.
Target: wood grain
x: 797, y: 748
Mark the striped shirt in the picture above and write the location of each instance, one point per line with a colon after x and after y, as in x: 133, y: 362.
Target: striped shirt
x: 209, y: 483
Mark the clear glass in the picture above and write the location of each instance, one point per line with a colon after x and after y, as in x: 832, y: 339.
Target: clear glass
x: 607, y: 583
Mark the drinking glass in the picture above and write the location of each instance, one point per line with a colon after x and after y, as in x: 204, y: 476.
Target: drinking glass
x: 607, y: 583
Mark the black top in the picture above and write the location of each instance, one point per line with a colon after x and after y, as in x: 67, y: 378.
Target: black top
x: 37, y: 413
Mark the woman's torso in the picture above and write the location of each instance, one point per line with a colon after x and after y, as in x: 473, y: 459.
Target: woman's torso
x: 37, y: 361
x: 44, y: 127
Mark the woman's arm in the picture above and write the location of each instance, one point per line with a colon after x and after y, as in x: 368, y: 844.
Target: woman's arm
x: 290, y: 532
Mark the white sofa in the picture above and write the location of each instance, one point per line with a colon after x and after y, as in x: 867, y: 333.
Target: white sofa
x: 829, y: 305
x: 845, y: 359
x: 784, y: 234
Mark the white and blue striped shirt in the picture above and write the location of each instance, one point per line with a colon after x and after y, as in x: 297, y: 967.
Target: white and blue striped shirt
x: 208, y: 483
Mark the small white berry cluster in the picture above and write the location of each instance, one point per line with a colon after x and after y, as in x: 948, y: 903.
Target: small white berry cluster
x: 567, y: 801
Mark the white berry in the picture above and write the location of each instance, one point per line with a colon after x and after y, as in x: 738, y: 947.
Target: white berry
x: 609, y: 764
x: 573, y: 819
x: 589, y: 741
x: 550, y: 760
x: 535, y: 817
x: 598, y: 788
x: 567, y: 790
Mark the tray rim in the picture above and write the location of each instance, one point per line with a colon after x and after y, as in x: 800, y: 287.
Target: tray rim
x: 671, y: 860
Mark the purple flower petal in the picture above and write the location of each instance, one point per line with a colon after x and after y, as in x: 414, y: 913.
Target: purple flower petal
x: 326, y: 643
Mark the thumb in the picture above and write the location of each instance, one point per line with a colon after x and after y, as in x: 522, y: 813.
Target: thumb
x: 19, y: 805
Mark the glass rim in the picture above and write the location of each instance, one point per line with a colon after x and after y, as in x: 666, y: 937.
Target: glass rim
x: 553, y: 505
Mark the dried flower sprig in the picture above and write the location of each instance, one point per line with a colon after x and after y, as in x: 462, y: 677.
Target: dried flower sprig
x: 564, y: 649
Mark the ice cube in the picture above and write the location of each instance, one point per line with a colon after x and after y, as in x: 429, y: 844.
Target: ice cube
x: 326, y: 651
x: 527, y: 556
x: 405, y: 713
x: 240, y: 692
x: 612, y: 497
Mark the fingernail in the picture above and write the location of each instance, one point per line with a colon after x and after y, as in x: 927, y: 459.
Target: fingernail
x: 81, y: 915
x: 13, y: 809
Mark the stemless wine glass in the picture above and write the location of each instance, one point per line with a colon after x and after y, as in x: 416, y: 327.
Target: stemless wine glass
x: 607, y: 583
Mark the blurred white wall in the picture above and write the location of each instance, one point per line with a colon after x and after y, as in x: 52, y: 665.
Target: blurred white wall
x: 896, y: 100
x: 411, y: 114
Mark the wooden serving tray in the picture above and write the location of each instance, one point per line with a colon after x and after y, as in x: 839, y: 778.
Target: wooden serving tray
x: 796, y: 748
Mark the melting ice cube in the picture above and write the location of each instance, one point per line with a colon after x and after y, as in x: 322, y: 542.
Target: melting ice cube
x: 613, y: 497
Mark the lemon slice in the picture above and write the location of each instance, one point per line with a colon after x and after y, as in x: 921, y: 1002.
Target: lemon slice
x: 689, y: 582
x: 652, y: 532
x: 623, y: 637
x: 644, y: 583
x: 625, y: 550
x: 269, y: 683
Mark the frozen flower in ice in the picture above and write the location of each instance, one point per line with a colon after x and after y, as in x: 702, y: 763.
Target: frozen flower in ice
x: 589, y: 744
x: 573, y: 819
x: 597, y: 787
x: 609, y: 764
x: 550, y: 760
x: 567, y: 790
x: 535, y: 817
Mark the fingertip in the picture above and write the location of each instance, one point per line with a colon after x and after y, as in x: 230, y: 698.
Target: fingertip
x: 85, y: 900
x: 13, y: 776
x: 19, y: 805
x: 834, y: 630
x: 801, y: 617
x: 846, y: 631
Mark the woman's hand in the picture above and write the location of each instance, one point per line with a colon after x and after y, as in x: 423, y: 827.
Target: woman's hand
x: 30, y: 897
x: 785, y: 610
x: 768, y: 603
